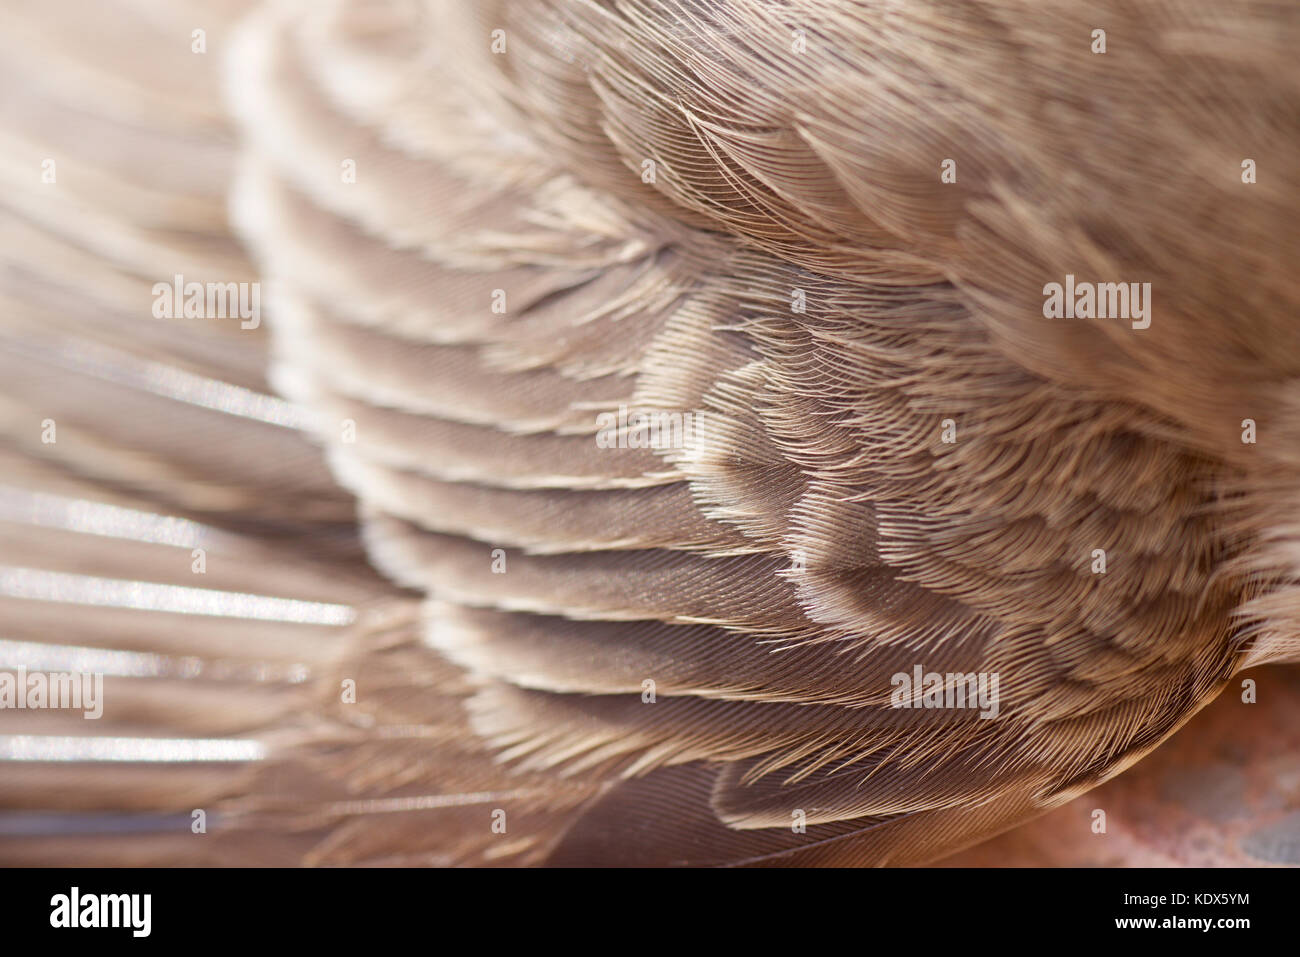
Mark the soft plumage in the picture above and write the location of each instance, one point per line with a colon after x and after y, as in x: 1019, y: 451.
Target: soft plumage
x: 731, y: 211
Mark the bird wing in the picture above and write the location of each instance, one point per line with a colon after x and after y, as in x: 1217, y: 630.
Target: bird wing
x: 627, y: 218
x: 682, y: 413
